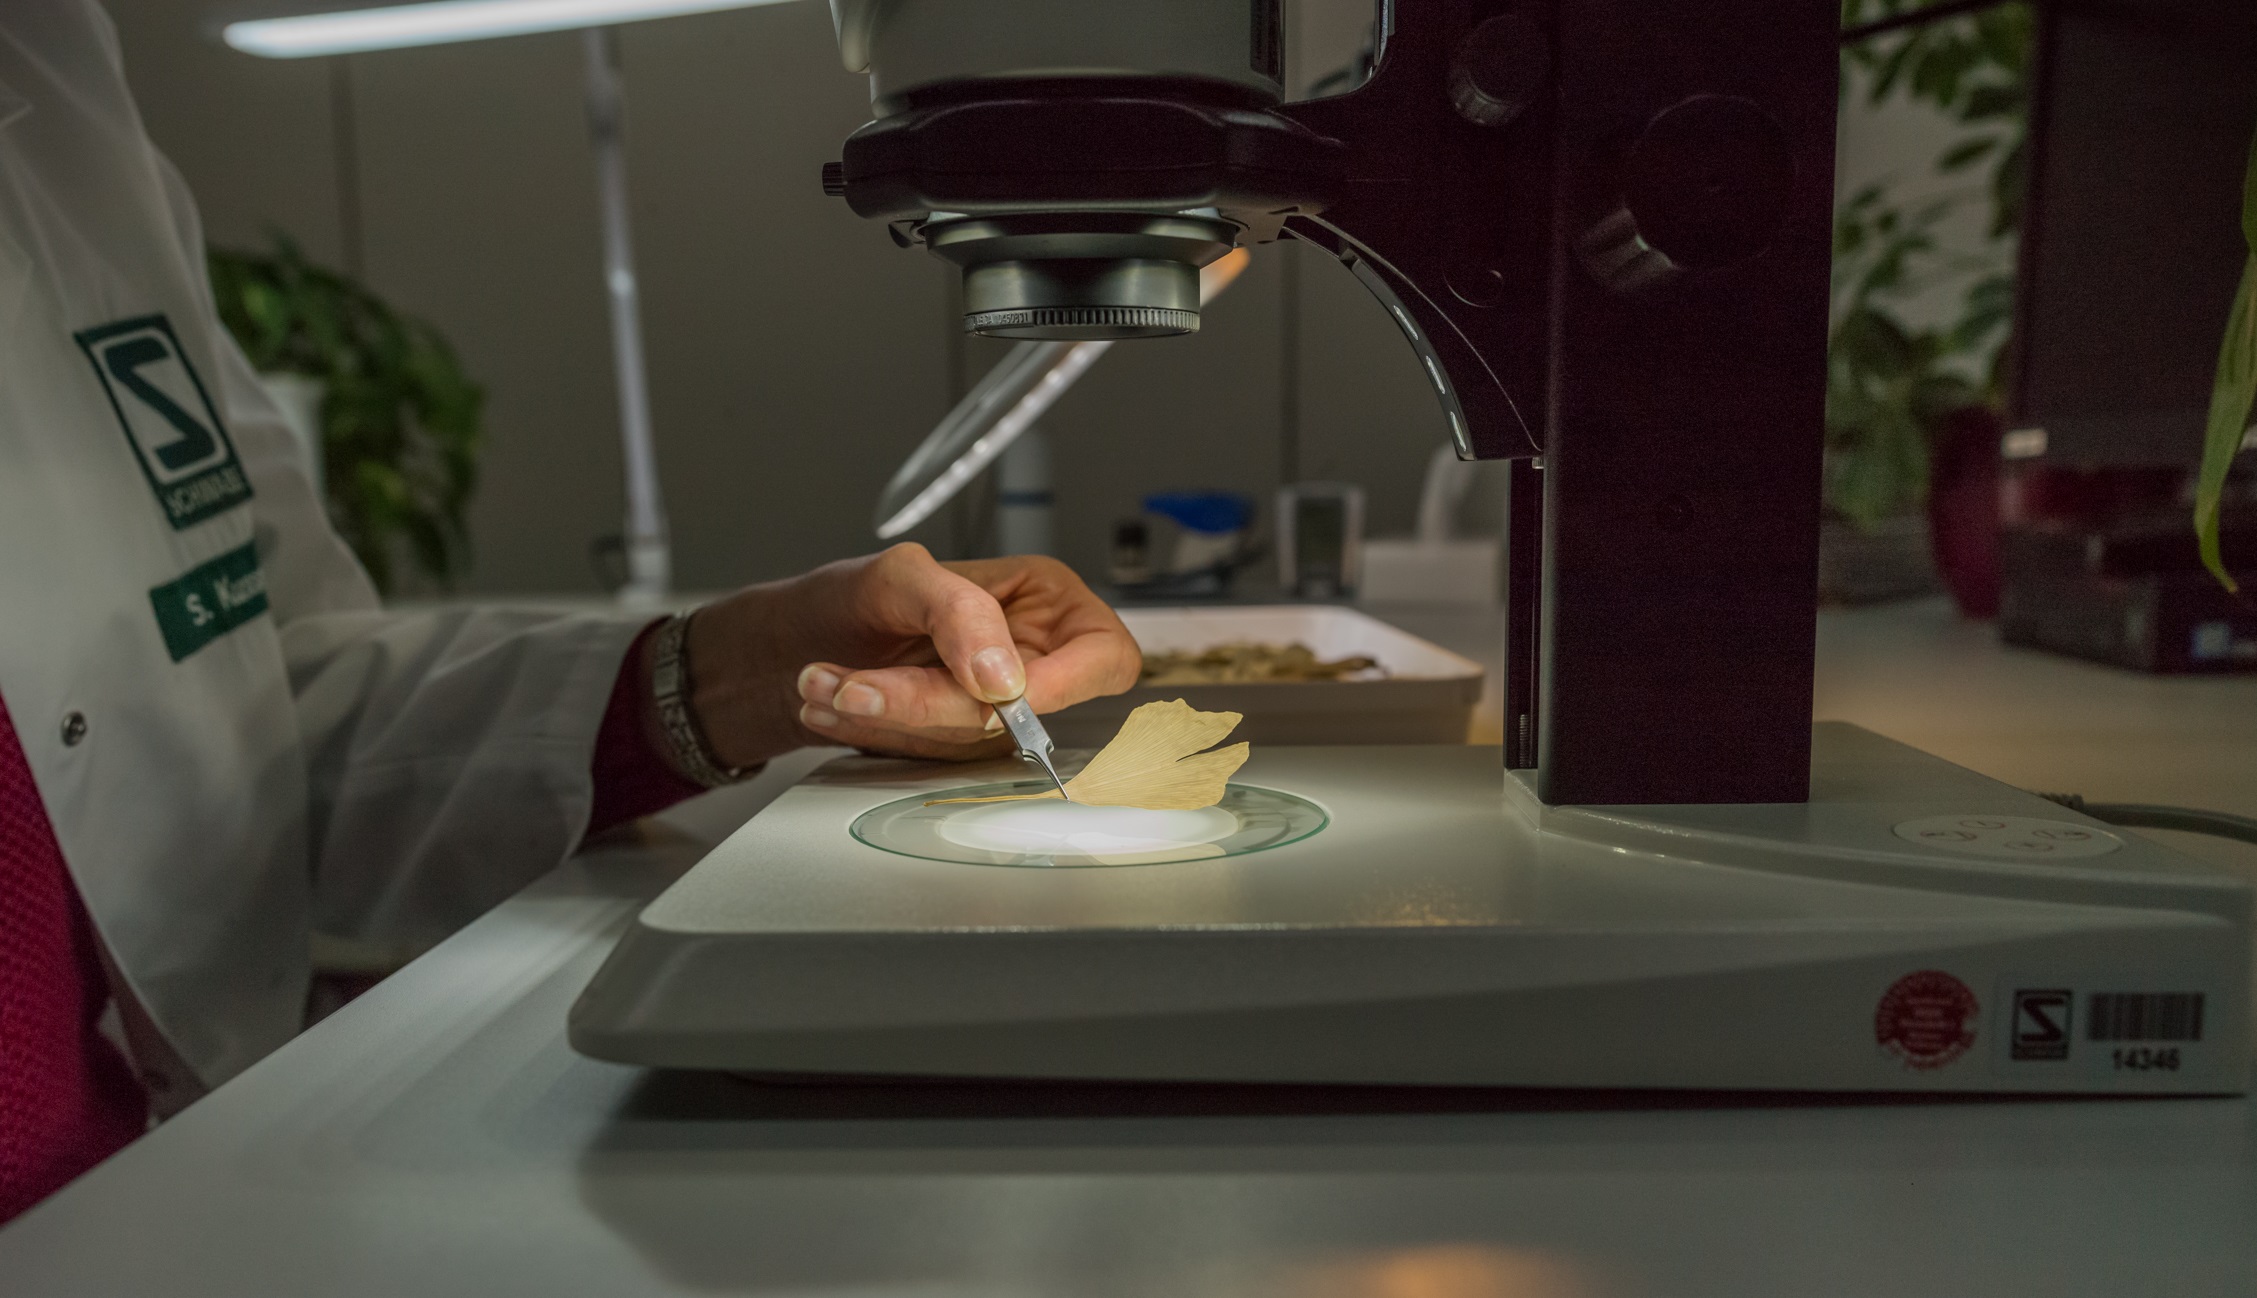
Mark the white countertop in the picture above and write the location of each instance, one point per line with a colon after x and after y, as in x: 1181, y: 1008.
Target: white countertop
x: 438, y: 1137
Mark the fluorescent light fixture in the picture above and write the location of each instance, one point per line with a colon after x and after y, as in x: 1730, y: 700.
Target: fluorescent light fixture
x: 1067, y: 367
x: 442, y: 22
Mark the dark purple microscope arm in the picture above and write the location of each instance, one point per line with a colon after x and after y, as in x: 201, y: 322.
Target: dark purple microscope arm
x: 1605, y: 225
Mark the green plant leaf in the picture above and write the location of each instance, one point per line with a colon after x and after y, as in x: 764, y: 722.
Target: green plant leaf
x: 1967, y: 153
x: 1944, y: 69
x: 1893, y: 64
x: 1991, y: 102
x: 2230, y: 399
x: 2004, y: 34
x: 2231, y: 393
x: 1875, y: 341
x: 2009, y: 187
x: 1937, y: 394
x: 1988, y: 315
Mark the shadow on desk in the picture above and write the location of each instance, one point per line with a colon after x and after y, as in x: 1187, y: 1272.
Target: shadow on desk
x: 711, y: 1100
x: 730, y: 1185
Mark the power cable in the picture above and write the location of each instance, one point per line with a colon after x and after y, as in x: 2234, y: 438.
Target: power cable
x: 2143, y: 815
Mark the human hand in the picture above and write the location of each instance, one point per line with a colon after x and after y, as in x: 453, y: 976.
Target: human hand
x: 898, y: 653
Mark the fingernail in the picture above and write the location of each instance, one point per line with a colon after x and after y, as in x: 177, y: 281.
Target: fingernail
x: 815, y: 718
x: 998, y: 671
x: 860, y: 699
x: 817, y: 683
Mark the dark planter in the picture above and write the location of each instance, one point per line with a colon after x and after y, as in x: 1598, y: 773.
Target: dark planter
x: 1963, y: 508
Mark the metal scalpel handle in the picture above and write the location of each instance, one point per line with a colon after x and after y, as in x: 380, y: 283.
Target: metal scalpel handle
x: 1034, y: 741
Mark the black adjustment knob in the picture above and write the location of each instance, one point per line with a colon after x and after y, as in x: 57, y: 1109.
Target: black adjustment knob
x: 1499, y: 68
x: 1710, y: 181
x: 834, y: 179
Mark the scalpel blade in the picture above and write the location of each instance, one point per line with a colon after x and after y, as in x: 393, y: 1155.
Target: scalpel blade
x: 1034, y: 741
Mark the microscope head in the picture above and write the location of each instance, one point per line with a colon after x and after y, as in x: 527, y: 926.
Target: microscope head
x: 1079, y: 162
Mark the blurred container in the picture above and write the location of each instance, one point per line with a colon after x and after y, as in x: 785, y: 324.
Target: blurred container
x: 1457, y: 554
x: 1320, y: 539
x: 1186, y: 544
x: 1890, y: 562
x: 1130, y: 563
x: 1428, y: 696
x: 1407, y: 570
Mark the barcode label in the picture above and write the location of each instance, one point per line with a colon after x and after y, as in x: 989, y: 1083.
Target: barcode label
x: 2144, y: 1016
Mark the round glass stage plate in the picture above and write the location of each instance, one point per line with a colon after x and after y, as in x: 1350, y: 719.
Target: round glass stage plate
x: 1049, y: 834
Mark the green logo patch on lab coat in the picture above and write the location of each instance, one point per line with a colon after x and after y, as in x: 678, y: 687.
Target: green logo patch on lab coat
x: 210, y: 600
x: 168, y: 418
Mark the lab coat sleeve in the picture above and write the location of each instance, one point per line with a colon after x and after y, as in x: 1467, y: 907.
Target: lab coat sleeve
x: 447, y: 749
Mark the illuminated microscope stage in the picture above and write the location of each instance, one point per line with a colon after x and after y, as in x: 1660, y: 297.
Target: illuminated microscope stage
x: 1413, y: 915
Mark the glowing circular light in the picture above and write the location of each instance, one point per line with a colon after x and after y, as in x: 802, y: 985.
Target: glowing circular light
x: 1049, y: 828
x: 1046, y: 833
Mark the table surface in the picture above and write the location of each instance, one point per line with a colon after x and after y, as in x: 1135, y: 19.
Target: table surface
x: 438, y: 1137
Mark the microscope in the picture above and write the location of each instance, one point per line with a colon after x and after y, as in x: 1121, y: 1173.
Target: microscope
x: 1604, y: 227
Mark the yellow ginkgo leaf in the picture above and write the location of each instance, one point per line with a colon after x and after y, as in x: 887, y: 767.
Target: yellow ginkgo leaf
x: 1155, y: 762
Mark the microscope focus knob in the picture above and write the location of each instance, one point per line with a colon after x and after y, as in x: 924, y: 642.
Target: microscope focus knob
x: 1709, y: 182
x: 834, y: 179
x: 1499, y: 69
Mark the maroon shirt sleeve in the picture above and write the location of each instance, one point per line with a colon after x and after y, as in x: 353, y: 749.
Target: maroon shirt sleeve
x: 632, y: 777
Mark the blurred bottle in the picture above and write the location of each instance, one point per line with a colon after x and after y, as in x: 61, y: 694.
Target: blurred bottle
x: 1320, y: 539
x: 1023, y: 497
x: 1131, y: 560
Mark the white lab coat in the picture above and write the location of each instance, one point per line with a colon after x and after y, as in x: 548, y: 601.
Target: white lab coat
x: 233, y: 741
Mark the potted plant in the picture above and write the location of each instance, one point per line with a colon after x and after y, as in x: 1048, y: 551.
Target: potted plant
x: 399, y: 421
x: 1911, y: 408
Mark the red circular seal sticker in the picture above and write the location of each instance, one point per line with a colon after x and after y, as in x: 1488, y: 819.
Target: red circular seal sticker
x: 1926, y: 1019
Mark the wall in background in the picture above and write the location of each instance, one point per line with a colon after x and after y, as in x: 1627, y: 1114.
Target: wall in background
x: 796, y: 355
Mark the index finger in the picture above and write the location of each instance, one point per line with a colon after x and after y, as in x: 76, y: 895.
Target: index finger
x: 964, y: 622
x: 1075, y: 645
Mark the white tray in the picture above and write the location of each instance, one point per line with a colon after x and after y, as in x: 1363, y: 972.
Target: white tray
x: 1428, y: 696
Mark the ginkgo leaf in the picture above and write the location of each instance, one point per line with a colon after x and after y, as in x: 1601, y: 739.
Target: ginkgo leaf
x: 1154, y: 762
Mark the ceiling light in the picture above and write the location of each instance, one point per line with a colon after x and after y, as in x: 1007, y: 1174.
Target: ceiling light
x: 441, y: 22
